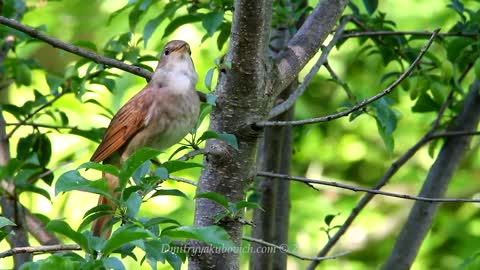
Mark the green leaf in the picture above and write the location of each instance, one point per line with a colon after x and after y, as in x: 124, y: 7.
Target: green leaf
x: 226, y: 137
x: 212, y: 21
x: 386, y: 137
x: 174, y: 260
x: 112, y: 263
x: 53, y: 83
x: 205, y: 110
x: 6, y: 222
x: 153, y: 24
x: 161, y: 173
x: 386, y: 120
x: 93, y: 134
x: 214, y: 196
x: 248, y: 205
x: 107, y: 168
x: 63, y: 228
x: 370, y: 6
x: 121, y: 237
x: 57, y: 262
x: 455, y: 47
x: 170, y: 192
x: 385, y: 115
x: 150, y: 27
x: 155, y: 250
x: 133, y: 204
x: 27, y: 187
x: 23, y: 75
x: 14, y: 110
x: 211, y: 99
x: 214, y: 235
x: 224, y: 35
x: 135, y: 161
x: 91, y: 218
x: 43, y: 148
x: 208, y: 78
x: 177, y: 165
x: 425, y: 104
x: 160, y: 220
x: 117, y: 12
x: 328, y: 219
x: 72, y: 180
x: 179, y: 21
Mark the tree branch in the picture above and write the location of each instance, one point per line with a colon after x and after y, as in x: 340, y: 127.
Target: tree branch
x: 32, y: 114
x: 183, y: 180
x: 192, y: 154
x: 339, y: 81
x: 389, y: 174
x: 74, y: 49
x: 439, y: 176
x: 284, y: 106
x: 362, y: 189
x: 41, y: 125
x: 81, y: 52
x: 412, y: 33
x: 291, y: 253
x: 39, y: 249
x: 306, y: 42
x: 361, y: 104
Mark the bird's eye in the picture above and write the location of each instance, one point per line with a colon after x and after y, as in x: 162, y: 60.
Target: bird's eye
x: 166, y: 52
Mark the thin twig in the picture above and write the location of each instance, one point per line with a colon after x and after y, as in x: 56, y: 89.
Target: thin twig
x: 74, y: 49
x: 41, y: 125
x: 192, y: 154
x: 342, y: 83
x: 411, y: 33
x: 362, y: 189
x: 183, y: 180
x: 39, y: 249
x: 284, y: 106
x: 291, y: 253
x: 362, y: 104
x: 32, y: 114
x: 82, y: 52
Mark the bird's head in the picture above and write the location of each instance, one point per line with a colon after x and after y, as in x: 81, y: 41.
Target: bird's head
x: 175, y: 61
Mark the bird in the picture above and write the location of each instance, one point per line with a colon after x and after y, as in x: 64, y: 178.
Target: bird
x: 158, y: 116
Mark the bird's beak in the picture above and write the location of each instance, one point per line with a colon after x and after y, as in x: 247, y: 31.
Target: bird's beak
x: 185, y: 48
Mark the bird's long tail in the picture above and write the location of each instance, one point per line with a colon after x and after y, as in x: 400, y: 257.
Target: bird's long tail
x: 99, y: 226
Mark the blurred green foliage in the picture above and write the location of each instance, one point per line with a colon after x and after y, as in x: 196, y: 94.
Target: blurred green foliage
x: 356, y: 150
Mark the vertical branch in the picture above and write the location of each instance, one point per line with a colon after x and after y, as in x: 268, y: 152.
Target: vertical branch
x: 422, y: 214
x: 273, y: 218
x: 11, y: 208
x: 243, y: 97
x: 274, y: 154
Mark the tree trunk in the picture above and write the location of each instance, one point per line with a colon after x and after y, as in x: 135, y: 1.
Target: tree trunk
x: 243, y: 98
x: 421, y: 216
x: 245, y: 95
x: 271, y: 221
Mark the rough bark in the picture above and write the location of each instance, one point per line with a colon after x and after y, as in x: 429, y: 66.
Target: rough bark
x: 271, y: 222
x: 245, y: 93
x: 243, y: 97
x: 306, y: 42
x: 422, y: 214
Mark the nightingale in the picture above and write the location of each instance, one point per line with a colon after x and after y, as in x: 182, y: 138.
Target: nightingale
x: 158, y: 116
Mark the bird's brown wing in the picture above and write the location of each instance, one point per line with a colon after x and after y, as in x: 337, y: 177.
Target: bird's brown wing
x: 127, y: 122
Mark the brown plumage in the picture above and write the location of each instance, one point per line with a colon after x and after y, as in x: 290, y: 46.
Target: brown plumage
x: 160, y: 115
